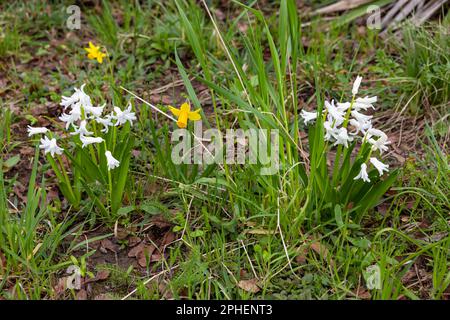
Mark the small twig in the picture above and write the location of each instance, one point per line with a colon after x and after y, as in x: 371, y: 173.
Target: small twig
x: 249, y: 260
x: 282, y: 238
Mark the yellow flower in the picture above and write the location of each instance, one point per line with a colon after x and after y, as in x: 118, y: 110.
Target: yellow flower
x: 185, y: 113
x: 95, y: 53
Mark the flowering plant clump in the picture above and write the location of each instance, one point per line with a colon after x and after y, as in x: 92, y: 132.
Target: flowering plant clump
x: 343, y: 125
x: 98, y: 147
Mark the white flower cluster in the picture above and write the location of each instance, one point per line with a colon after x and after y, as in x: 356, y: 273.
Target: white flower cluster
x: 339, y: 115
x: 78, y: 114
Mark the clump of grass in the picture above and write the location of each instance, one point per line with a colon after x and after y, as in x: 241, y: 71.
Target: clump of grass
x: 425, y: 68
x: 10, y: 41
x: 29, y: 239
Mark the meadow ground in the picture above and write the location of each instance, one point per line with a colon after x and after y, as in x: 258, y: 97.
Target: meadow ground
x: 74, y: 227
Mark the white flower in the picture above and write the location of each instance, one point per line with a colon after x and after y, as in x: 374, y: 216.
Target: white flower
x: 82, y: 131
x: 376, y: 132
x: 335, y: 113
x: 360, y: 117
x: 342, y: 137
x: 367, y: 100
x: 330, y: 130
x: 69, y: 101
x: 343, y: 106
x: 123, y: 116
x: 364, y: 103
x: 373, y: 277
x: 90, y: 140
x: 94, y: 111
x: 380, y: 166
x: 308, y: 116
x: 38, y: 130
x: 363, y: 174
x: 360, y: 126
x: 379, y: 144
x: 356, y: 85
x: 106, y: 122
x: 73, y: 116
x: 360, y: 122
x: 79, y: 97
x: 382, y: 141
x: 111, y: 161
x: 50, y: 146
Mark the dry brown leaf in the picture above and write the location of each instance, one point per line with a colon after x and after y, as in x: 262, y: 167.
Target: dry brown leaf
x: 301, y: 256
x: 168, y: 238
x: 108, y: 244
x: 136, y: 250
x: 317, y: 247
x: 322, y: 250
x: 145, y: 255
x: 121, y: 233
x: 100, y: 276
x: 249, y: 285
x: 60, y: 287
x: 160, y: 222
x: 363, y: 294
x: 81, y: 295
x: 133, y: 241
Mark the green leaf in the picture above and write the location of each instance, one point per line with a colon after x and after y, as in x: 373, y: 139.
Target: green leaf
x: 125, y: 210
x: 11, y: 162
x: 371, y: 198
x: 338, y: 216
x: 153, y: 207
x: 197, y: 233
x: 121, y: 177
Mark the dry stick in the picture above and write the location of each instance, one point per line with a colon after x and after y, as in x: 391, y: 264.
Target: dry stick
x: 388, y: 17
x: 406, y: 10
x: 340, y: 6
x: 164, y: 88
x: 149, y: 104
x: 249, y: 260
x: 428, y: 12
x: 187, y: 217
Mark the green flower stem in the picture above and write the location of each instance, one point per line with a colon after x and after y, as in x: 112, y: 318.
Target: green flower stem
x: 66, y: 178
x: 109, y: 181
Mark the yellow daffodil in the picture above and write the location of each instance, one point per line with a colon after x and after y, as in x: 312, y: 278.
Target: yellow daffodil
x: 185, y: 113
x: 95, y: 53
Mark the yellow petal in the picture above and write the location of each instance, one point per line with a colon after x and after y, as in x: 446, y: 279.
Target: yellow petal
x: 175, y: 111
x: 185, y: 107
x: 195, y: 115
x: 182, y: 120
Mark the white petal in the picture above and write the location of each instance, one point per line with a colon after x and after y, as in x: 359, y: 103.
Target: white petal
x: 36, y: 130
x: 356, y: 85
